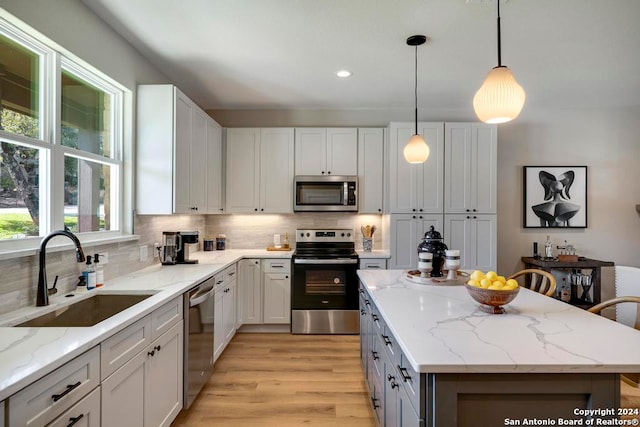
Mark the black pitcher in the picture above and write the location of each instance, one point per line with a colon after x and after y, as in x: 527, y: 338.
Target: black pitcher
x: 432, y: 242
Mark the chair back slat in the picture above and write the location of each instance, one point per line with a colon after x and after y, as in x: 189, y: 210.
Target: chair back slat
x: 539, y: 281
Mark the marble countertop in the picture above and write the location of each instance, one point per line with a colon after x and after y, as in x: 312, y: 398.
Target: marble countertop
x: 27, y: 354
x: 441, y: 329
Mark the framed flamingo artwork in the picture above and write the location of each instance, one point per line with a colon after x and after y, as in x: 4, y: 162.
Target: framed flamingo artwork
x: 555, y: 196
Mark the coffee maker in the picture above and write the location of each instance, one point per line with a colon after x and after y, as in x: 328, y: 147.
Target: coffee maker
x: 171, y: 246
x: 187, y: 239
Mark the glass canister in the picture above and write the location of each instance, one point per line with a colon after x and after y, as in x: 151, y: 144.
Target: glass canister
x: 221, y: 242
x: 433, y: 243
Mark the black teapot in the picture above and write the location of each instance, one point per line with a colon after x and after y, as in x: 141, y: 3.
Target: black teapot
x: 432, y: 242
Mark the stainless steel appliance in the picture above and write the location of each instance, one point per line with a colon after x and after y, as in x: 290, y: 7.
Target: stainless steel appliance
x: 171, y: 245
x: 199, y: 305
x: 324, y: 290
x: 187, y: 238
x: 334, y: 193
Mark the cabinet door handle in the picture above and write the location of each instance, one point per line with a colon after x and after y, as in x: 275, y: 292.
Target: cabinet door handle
x: 379, y: 210
x: 474, y: 210
x: 286, y: 277
x: 362, y: 312
x: 413, y: 217
x: 366, y: 302
x: 232, y: 273
x: 69, y: 389
x: 74, y: 420
x: 386, y: 340
x: 277, y: 266
x: 374, y: 355
x: 405, y: 374
x: 157, y: 348
x: 374, y: 317
x: 151, y: 353
x: 374, y: 403
x: 370, y: 267
x: 468, y: 217
x: 255, y: 209
x: 393, y: 382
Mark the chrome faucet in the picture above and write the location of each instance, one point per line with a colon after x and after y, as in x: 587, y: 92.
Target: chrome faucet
x: 42, y: 297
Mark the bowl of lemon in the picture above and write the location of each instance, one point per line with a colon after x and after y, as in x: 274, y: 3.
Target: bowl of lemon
x: 491, y: 290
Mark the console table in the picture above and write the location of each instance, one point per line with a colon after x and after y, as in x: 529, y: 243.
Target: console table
x: 593, y: 264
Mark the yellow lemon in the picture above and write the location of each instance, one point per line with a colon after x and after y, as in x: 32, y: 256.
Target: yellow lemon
x: 512, y: 282
x: 485, y: 283
x: 492, y: 275
x: 477, y: 275
x: 496, y: 286
x: 502, y: 279
x: 509, y: 287
x: 475, y: 283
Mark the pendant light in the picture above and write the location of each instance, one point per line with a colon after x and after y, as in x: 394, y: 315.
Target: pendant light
x: 500, y: 98
x: 416, y: 150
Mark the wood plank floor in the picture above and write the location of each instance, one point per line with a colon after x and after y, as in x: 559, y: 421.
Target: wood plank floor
x: 284, y: 380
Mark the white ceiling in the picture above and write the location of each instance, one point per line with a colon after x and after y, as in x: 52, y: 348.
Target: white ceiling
x: 281, y: 54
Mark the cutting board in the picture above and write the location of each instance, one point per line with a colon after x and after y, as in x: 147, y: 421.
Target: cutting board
x: 273, y: 248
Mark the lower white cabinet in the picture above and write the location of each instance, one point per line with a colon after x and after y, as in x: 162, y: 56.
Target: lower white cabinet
x: 142, y: 377
x: 476, y: 238
x: 250, y: 291
x: 407, y: 232
x: 49, y: 397
x: 224, y: 311
x: 276, y: 282
x: 85, y: 413
x: 2, y: 414
x: 373, y: 263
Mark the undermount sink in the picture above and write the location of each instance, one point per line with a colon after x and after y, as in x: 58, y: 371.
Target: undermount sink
x: 87, y: 312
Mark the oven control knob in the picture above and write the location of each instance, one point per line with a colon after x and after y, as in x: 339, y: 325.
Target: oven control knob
x: 348, y: 234
x: 342, y: 235
x: 301, y: 234
x: 308, y: 234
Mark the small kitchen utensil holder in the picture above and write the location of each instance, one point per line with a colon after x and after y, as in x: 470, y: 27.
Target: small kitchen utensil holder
x: 367, y: 244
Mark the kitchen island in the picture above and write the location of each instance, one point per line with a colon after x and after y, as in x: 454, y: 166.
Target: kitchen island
x: 433, y: 358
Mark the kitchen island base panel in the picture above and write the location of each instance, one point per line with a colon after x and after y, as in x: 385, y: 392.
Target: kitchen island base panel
x: 463, y: 399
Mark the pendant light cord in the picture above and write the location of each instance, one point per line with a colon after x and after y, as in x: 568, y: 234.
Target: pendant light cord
x: 499, y: 39
x: 416, y: 88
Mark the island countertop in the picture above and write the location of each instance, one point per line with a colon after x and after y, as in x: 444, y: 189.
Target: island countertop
x: 442, y: 330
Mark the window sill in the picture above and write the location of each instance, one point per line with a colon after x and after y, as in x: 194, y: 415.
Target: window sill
x: 31, y: 247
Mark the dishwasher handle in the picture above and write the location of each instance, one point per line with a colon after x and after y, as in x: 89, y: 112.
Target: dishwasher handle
x: 200, y: 296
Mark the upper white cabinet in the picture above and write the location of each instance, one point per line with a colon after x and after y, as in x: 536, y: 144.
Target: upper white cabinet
x: 330, y: 151
x: 470, y: 183
x: 215, y: 193
x: 476, y: 237
x: 173, y: 153
x: 406, y: 233
x: 259, y: 170
x: 370, y: 170
x: 417, y: 187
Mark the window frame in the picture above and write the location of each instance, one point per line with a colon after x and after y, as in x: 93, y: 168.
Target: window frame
x: 53, y: 60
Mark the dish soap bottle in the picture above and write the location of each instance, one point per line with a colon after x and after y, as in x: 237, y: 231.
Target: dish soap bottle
x: 99, y: 270
x: 90, y: 274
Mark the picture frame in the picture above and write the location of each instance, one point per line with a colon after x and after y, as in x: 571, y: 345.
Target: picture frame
x: 554, y: 196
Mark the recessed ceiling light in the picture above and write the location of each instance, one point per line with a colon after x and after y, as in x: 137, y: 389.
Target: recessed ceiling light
x: 344, y: 73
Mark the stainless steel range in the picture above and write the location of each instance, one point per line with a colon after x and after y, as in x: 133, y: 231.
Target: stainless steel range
x: 324, y: 292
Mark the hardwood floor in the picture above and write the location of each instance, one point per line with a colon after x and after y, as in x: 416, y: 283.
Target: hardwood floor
x: 284, y: 380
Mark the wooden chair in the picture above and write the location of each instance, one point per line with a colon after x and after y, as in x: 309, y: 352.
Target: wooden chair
x: 618, y: 300
x: 632, y: 379
x: 539, y: 281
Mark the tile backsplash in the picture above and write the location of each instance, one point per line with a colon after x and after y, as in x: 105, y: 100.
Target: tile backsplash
x: 19, y: 275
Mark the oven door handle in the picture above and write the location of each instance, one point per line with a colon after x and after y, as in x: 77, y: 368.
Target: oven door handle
x: 326, y: 261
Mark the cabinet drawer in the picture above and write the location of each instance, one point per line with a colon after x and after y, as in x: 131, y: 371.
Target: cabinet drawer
x: 373, y: 264
x: 218, y: 279
x: 47, y: 398
x: 163, y: 318
x: 85, y: 413
x: 230, y: 273
x: 276, y: 265
x: 116, y: 350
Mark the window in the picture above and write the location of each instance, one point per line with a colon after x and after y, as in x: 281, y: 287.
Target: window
x: 61, y: 142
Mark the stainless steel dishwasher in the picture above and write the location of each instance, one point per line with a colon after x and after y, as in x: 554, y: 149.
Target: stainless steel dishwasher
x: 198, y: 338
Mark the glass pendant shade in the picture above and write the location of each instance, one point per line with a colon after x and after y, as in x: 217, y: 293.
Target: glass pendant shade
x: 500, y: 98
x: 416, y: 150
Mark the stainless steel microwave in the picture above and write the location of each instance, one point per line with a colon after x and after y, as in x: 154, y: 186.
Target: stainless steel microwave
x: 331, y: 193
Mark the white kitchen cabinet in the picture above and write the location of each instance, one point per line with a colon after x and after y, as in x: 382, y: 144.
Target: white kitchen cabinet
x: 224, y: 310
x: 47, y: 398
x: 276, y: 282
x: 214, y: 168
x: 145, y: 389
x: 416, y: 187
x: 470, y: 168
x: 85, y: 413
x: 172, y: 152
x: 250, y: 291
x: 259, y: 170
x: 370, y: 170
x: 407, y: 232
x: 373, y: 263
x: 326, y: 151
x: 476, y: 238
